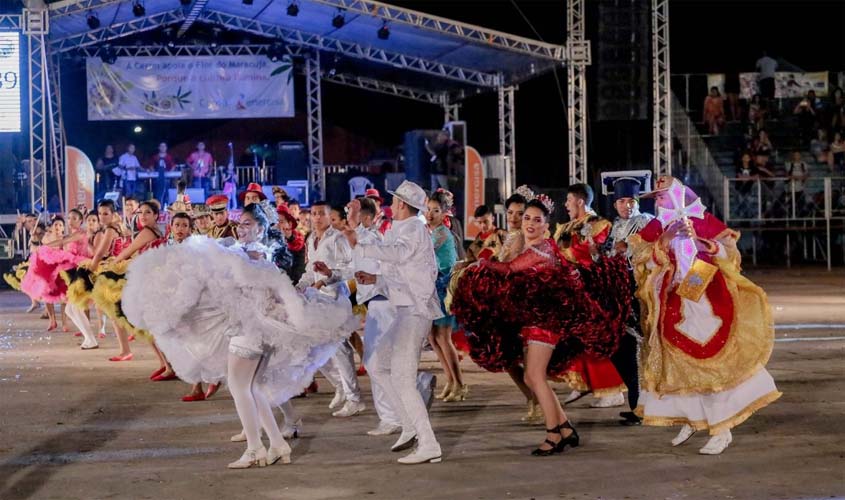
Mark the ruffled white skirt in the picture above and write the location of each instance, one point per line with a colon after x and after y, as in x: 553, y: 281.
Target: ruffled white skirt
x: 201, y: 301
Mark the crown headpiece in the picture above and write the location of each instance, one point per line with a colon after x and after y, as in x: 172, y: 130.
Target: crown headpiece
x: 526, y: 192
x: 546, y: 201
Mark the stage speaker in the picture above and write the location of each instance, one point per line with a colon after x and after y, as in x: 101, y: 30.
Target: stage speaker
x: 291, y: 163
x: 417, y: 158
x: 623, y: 59
x: 491, y: 192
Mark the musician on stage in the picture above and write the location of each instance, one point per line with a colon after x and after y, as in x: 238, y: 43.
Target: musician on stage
x: 161, y: 162
x: 223, y: 227
x: 129, y: 164
x: 200, y: 162
x: 103, y: 169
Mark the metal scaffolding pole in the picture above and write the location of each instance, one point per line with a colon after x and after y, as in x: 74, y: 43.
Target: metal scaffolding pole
x: 35, y: 27
x: 450, y: 109
x: 507, y: 136
x: 56, y: 126
x: 661, y: 88
x: 316, y: 174
x: 576, y: 90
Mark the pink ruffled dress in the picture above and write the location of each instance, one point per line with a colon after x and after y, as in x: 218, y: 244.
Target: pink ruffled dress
x: 43, y: 281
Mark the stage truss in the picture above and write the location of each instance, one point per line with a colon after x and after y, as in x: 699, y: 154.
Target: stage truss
x: 661, y: 88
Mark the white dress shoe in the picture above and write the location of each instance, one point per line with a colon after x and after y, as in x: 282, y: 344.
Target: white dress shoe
x: 238, y: 438
x: 617, y: 399
x: 686, y: 432
x: 274, y: 454
x: 351, y: 408
x: 422, y: 455
x: 251, y: 458
x: 338, y: 400
x: 292, y: 430
x: 717, y: 444
x: 406, y: 440
x: 574, y: 396
x: 86, y: 346
x: 384, y: 429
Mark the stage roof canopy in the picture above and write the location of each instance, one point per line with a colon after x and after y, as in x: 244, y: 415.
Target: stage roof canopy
x: 425, y: 51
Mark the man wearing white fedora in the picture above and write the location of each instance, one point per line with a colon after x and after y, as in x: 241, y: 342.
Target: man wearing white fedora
x: 408, y: 272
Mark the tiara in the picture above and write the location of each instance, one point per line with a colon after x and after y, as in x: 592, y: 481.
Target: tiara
x: 546, y: 201
x: 269, y: 212
x: 525, y: 192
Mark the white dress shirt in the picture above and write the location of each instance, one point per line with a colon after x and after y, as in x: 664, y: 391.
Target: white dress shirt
x: 408, y: 266
x: 367, y: 236
x: 334, y: 250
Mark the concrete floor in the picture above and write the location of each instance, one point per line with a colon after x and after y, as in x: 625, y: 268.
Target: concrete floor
x: 74, y: 426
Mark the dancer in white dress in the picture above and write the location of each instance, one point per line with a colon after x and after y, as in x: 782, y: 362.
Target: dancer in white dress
x: 267, y: 345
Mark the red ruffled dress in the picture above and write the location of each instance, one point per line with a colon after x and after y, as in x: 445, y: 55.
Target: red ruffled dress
x: 43, y: 281
x: 538, y: 297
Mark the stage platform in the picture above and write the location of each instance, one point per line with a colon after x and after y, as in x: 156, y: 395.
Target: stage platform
x: 75, y: 426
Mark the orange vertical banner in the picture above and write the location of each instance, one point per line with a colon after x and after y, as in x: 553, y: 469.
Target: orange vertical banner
x: 473, y: 189
x: 79, y: 179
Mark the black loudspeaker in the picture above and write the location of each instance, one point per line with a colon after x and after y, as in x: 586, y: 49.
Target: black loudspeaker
x: 291, y: 164
x: 491, y: 192
x: 623, y: 59
x: 417, y: 158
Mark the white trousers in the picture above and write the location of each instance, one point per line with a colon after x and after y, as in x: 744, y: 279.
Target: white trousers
x: 340, y: 372
x: 393, y: 358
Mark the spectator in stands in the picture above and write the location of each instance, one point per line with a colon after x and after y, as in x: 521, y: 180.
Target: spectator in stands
x: 807, y: 115
x: 714, y: 111
x: 837, y: 151
x: 766, y: 66
x: 820, y: 147
x: 836, y: 107
x: 798, y: 173
x: 747, y: 171
x: 762, y: 148
x: 837, y: 121
x: 757, y: 111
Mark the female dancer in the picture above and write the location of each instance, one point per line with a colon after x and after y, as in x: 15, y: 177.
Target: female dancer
x: 267, y: 347
x: 541, y: 297
x: 441, y: 331
x: 108, y: 241
x: 40, y: 280
x: 108, y: 289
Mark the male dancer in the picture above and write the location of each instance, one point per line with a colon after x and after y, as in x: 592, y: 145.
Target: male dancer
x: 626, y: 191
x: 223, y: 227
x: 408, y: 271
x: 584, y: 234
x: 329, y: 258
x: 380, y: 313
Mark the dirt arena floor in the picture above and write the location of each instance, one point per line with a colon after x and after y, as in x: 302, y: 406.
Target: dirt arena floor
x: 75, y: 426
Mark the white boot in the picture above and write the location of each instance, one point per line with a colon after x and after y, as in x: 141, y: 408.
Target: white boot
x: 384, y: 429
x: 405, y: 441
x: 423, y: 454
x: 717, y: 444
x: 338, y: 399
x: 274, y: 454
x: 617, y: 399
x: 292, y: 430
x: 350, y: 409
x: 686, y: 432
x: 239, y: 437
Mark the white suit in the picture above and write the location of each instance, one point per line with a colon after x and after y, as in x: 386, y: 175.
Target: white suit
x: 333, y: 249
x: 408, y: 271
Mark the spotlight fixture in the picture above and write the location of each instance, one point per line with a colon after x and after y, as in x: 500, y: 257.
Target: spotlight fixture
x: 293, y: 9
x: 383, y: 32
x: 215, y: 37
x: 138, y: 129
x: 138, y: 9
x: 276, y: 52
x: 247, y: 2
x: 93, y: 21
x: 185, y: 2
x: 338, y: 20
x: 169, y: 36
x: 108, y: 54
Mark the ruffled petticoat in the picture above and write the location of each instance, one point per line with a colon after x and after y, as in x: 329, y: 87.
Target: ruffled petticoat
x: 201, y: 301
x: 43, y: 280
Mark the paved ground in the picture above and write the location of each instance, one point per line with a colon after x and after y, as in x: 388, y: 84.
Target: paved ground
x: 74, y: 426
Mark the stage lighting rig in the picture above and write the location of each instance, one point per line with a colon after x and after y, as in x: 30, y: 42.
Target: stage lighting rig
x: 276, y: 52
x: 247, y: 2
x: 293, y: 9
x: 108, y: 54
x: 383, y: 32
x: 138, y: 9
x: 93, y: 21
x: 215, y: 37
x: 338, y: 20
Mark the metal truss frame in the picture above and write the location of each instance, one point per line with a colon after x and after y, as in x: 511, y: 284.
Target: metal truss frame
x: 661, y: 88
x: 35, y: 25
x: 193, y: 14
x: 451, y: 110
x: 316, y: 173
x: 445, y: 26
x: 56, y: 126
x: 383, y: 87
x: 10, y: 22
x: 70, y: 7
x: 351, y: 49
x: 116, y: 30
x: 576, y: 91
x: 507, y: 135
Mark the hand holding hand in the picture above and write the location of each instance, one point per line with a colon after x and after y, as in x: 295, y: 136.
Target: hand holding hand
x: 365, y: 278
x: 322, y: 268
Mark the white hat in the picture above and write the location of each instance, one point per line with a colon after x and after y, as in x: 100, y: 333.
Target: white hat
x: 411, y: 194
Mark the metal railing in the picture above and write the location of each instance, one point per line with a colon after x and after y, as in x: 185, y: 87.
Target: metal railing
x: 783, y: 204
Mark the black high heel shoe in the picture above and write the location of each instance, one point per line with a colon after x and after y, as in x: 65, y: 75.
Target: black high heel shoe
x: 573, y: 440
x: 555, y: 447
